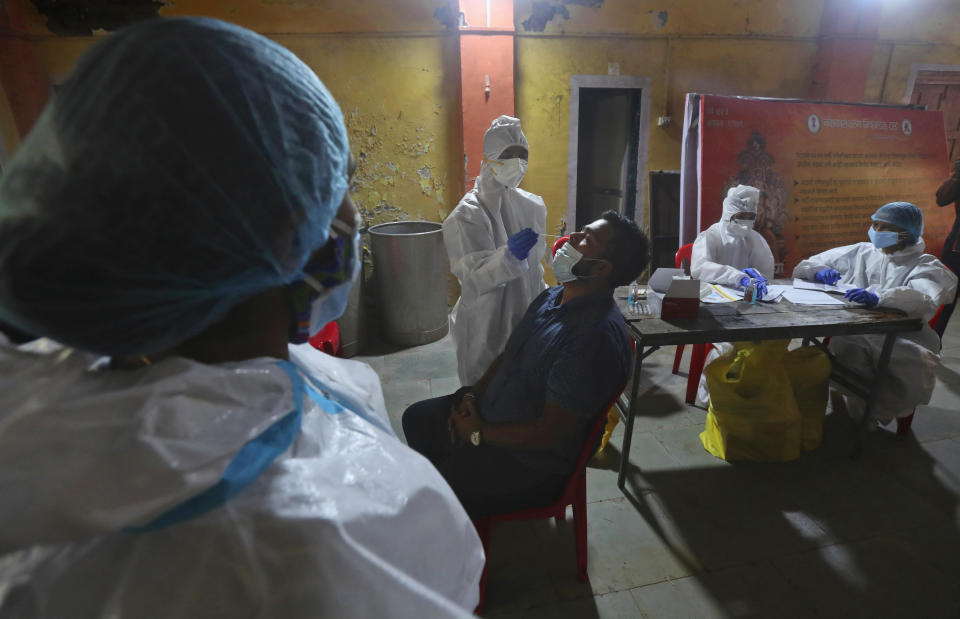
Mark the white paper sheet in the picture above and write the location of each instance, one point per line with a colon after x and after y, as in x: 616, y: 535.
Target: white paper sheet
x: 715, y: 293
x: 810, y: 297
x: 802, y: 284
x: 774, y: 293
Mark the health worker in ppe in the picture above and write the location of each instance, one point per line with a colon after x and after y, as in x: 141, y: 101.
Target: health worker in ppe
x: 890, y: 271
x: 177, y: 217
x: 731, y: 252
x: 494, y: 242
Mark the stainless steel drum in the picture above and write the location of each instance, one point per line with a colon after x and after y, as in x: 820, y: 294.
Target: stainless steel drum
x: 410, y: 268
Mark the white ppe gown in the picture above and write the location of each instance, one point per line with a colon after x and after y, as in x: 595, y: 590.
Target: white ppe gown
x: 719, y: 257
x: 345, y: 521
x: 495, y: 287
x: 908, y: 280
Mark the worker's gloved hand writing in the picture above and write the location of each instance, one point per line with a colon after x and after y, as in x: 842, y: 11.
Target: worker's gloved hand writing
x: 520, y: 243
x: 861, y: 295
x: 827, y: 276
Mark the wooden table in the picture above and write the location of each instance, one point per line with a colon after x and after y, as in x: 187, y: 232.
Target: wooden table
x: 739, y: 322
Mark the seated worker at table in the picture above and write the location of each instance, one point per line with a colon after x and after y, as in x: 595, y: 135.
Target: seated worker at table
x: 890, y: 271
x: 730, y: 252
x: 510, y: 441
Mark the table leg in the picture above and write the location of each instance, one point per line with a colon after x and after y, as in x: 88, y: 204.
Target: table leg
x: 639, y: 355
x: 881, y: 376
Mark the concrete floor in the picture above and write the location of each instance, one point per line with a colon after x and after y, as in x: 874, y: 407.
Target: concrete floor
x: 823, y: 536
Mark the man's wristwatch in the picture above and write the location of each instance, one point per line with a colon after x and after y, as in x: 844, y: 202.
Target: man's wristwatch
x: 475, y: 438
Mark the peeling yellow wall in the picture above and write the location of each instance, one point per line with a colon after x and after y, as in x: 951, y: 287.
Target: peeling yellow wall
x: 792, y: 18
x: 392, y: 67
x: 400, y: 106
x: 758, y: 48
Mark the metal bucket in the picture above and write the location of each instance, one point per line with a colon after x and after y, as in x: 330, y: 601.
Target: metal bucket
x: 410, y: 267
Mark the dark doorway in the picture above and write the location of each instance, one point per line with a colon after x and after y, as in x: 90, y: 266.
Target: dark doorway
x: 664, y: 217
x: 608, y: 144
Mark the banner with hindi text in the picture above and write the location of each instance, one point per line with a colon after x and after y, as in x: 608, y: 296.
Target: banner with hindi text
x: 822, y: 169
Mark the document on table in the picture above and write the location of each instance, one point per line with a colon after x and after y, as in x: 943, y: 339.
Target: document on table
x: 715, y: 293
x: 802, y: 284
x: 774, y: 293
x: 810, y: 297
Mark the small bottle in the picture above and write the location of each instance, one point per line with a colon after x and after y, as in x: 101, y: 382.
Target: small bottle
x: 634, y: 296
x: 750, y: 292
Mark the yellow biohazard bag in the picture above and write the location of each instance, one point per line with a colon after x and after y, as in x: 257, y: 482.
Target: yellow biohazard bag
x: 613, y: 418
x: 753, y: 413
x: 809, y: 370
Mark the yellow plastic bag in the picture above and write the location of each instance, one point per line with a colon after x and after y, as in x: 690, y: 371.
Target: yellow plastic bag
x: 753, y: 414
x: 613, y: 418
x: 809, y: 370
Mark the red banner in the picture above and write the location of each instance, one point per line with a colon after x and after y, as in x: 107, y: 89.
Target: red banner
x: 822, y: 169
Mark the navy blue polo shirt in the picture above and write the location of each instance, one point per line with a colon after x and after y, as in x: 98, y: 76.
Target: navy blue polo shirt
x: 576, y: 354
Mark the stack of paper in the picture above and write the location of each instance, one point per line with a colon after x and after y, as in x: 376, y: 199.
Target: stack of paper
x: 810, y: 297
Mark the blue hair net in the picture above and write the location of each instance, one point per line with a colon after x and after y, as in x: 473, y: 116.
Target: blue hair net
x: 184, y: 166
x: 903, y: 215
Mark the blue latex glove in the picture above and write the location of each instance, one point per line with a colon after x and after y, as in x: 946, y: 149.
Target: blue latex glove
x: 521, y: 243
x: 827, y: 276
x: 755, y: 274
x: 861, y: 295
x: 760, y: 283
x: 761, y: 289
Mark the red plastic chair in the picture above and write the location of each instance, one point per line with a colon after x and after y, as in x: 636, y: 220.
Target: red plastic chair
x: 327, y: 339
x: 574, y: 493
x: 698, y: 352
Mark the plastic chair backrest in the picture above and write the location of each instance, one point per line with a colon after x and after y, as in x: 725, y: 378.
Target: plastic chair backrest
x: 684, y: 253
x: 590, y: 445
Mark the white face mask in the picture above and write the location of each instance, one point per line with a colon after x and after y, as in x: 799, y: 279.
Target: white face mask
x: 566, y: 258
x: 509, y: 172
x: 563, y: 263
x: 740, y: 227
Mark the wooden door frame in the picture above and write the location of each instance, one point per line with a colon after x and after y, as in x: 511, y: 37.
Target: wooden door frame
x: 915, y: 70
x: 608, y: 81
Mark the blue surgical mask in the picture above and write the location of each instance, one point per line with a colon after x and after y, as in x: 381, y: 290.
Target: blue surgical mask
x: 883, y: 238
x: 321, y: 296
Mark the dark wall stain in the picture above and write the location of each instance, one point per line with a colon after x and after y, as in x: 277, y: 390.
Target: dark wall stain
x: 446, y: 16
x: 660, y: 18
x: 82, y: 17
x: 543, y: 12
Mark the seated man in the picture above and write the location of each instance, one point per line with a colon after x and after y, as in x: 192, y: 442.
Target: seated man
x: 890, y: 271
x: 510, y: 441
